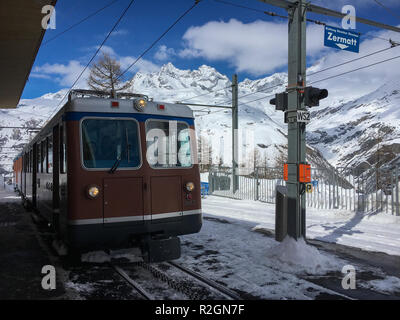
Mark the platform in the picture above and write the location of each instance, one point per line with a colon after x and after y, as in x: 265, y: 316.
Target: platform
x: 21, y: 255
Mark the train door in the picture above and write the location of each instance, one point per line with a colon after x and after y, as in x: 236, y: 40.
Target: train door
x: 34, y: 174
x: 123, y: 196
x: 165, y: 139
x: 39, y: 176
x: 56, y: 177
x: 25, y: 166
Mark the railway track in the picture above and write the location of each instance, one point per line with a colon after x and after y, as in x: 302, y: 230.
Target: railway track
x: 180, y: 281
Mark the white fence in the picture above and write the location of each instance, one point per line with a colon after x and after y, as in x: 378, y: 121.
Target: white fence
x: 368, y: 190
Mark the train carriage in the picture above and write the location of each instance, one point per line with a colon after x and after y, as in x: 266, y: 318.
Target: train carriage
x: 108, y: 172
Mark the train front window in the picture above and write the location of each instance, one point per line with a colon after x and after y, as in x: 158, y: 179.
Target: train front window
x: 106, y: 140
x: 168, y: 144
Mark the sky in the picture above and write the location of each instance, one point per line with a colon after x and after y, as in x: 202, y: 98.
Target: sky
x: 228, y: 38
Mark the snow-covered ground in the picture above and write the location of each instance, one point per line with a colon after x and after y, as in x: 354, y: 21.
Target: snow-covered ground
x: 368, y: 231
x: 228, y: 249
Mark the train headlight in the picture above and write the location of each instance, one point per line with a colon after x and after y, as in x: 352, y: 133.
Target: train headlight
x: 140, y: 104
x: 93, y: 192
x: 190, y: 186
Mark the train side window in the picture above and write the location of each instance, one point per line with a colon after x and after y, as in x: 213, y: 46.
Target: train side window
x: 63, y: 160
x: 38, y: 156
x: 31, y: 161
x: 44, y: 156
x: 168, y: 144
x: 49, y: 155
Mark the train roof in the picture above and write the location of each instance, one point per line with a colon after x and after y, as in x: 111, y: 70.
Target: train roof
x: 100, y: 102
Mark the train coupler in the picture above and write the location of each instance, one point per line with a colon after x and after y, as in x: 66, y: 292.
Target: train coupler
x: 161, y: 249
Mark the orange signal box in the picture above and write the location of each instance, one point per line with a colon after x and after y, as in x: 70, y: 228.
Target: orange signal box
x: 304, y: 173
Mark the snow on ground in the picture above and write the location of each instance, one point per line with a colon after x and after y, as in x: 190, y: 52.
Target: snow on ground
x: 368, y: 231
x: 389, y: 285
x: 228, y: 250
x: 297, y: 256
x: 231, y: 253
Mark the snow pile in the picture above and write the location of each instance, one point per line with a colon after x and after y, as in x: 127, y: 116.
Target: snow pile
x: 96, y: 257
x: 299, y: 257
x: 131, y: 254
x: 387, y: 285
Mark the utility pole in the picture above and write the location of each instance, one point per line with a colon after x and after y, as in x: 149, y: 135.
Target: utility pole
x: 235, y: 133
x: 296, y: 93
x: 296, y: 130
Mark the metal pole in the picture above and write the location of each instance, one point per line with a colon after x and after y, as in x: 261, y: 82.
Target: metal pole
x: 235, y: 127
x: 296, y: 130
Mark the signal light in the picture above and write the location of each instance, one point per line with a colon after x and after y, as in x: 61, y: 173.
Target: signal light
x: 312, y: 96
x: 114, y: 104
x: 280, y: 101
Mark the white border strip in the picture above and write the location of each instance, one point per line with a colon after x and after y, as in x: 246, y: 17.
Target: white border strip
x: 147, y: 217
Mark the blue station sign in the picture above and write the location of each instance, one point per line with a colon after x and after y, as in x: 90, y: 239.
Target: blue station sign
x: 342, y: 39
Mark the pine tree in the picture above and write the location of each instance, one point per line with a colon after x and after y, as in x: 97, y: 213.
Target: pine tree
x: 106, y: 75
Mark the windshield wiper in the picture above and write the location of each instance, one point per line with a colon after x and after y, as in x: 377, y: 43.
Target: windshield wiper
x: 115, y: 165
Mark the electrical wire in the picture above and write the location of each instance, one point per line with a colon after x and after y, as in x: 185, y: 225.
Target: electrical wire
x: 387, y: 9
x: 204, y: 94
x: 79, y: 22
x: 313, y: 73
x: 335, y: 76
x: 160, y: 37
x: 94, y: 56
x: 357, y: 69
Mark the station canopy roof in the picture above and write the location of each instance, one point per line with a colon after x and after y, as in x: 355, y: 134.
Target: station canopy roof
x: 21, y: 34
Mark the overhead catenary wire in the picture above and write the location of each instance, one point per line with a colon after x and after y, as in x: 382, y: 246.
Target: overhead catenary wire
x: 387, y: 9
x: 273, y: 14
x: 93, y: 56
x: 205, y: 94
x: 337, y: 75
x: 316, y: 72
x: 357, y: 69
x: 79, y: 22
x: 159, y: 38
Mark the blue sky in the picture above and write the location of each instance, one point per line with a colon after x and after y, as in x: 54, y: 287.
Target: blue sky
x: 225, y: 37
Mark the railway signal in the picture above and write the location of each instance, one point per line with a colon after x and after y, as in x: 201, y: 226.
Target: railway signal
x: 312, y: 96
x: 294, y: 101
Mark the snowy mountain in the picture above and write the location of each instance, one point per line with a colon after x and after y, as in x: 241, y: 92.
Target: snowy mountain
x: 360, y: 133
x: 341, y: 132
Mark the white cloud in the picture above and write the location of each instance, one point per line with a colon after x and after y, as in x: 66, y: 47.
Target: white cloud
x: 142, y: 65
x: 66, y: 74
x: 164, y: 53
x: 361, y: 81
x: 258, y: 47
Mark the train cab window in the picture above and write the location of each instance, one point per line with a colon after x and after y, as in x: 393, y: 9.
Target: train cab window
x: 168, y: 144
x: 106, y: 142
x: 49, y: 155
